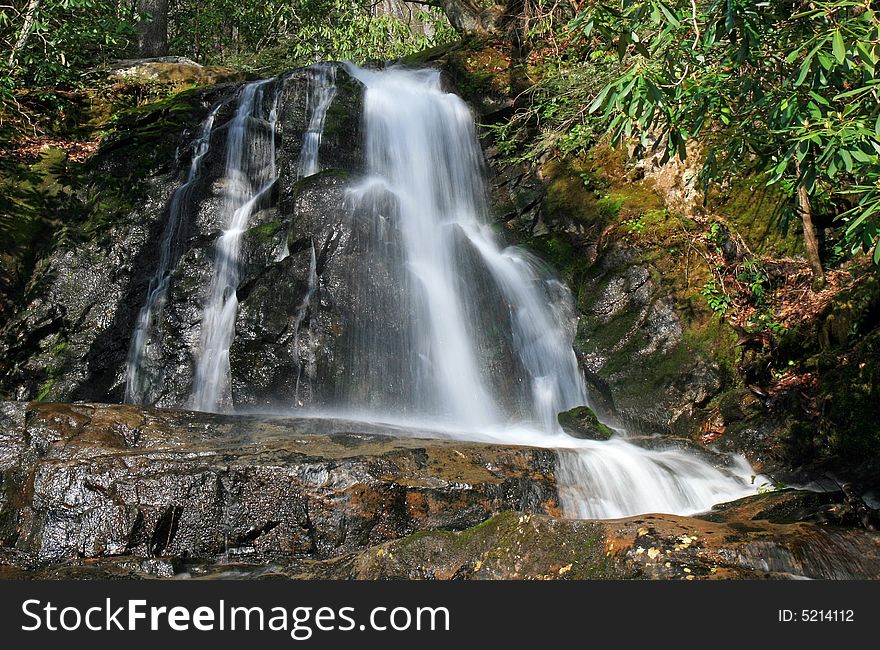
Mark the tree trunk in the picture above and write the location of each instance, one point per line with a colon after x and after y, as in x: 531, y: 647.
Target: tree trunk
x: 811, y: 238
x: 30, y: 17
x: 152, y: 29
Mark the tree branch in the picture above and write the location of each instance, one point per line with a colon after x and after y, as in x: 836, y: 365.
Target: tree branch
x: 30, y: 18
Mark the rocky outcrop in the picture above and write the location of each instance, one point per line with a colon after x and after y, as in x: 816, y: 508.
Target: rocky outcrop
x: 174, y: 71
x: 109, y: 491
x: 70, y: 340
x: 89, y: 481
x: 470, y: 16
x: 644, y: 366
x: 738, y: 542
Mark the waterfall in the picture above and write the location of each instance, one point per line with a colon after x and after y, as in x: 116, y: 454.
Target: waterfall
x: 442, y: 328
x: 141, y: 376
x: 427, y: 197
x: 249, y: 176
x: 322, y: 90
x: 422, y: 150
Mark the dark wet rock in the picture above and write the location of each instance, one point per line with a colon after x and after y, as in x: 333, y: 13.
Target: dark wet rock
x: 581, y: 422
x: 70, y: 341
x: 837, y: 508
x: 730, y: 544
x: 631, y: 338
x: 99, y: 481
x: 119, y: 492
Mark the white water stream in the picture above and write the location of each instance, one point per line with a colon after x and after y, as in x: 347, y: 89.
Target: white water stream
x: 142, y: 376
x: 249, y: 176
x: 422, y: 149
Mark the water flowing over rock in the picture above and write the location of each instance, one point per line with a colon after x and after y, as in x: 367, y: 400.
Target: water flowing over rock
x: 250, y: 175
x: 138, y: 384
x: 101, y: 491
x: 478, y: 340
x: 322, y: 91
x: 373, y: 289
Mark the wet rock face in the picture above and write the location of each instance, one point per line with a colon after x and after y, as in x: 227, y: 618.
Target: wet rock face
x: 630, y: 338
x: 739, y: 542
x: 630, y: 344
x: 91, y: 481
x: 72, y: 339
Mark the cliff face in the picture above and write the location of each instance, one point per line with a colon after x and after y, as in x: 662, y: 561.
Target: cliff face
x: 71, y: 338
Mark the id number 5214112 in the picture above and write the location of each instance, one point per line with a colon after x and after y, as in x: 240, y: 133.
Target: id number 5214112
x: 816, y: 616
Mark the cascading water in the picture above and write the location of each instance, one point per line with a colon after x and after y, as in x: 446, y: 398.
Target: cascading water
x: 429, y: 202
x: 453, y: 332
x: 614, y: 478
x: 141, y: 375
x: 249, y: 176
x: 322, y: 90
x: 420, y: 148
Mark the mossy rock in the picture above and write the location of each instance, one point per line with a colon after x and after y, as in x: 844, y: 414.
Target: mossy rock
x: 581, y: 422
x: 754, y: 211
x: 509, y: 545
x: 178, y: 75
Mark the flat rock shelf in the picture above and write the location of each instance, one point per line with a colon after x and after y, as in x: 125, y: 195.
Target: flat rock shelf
x: 113, y: 491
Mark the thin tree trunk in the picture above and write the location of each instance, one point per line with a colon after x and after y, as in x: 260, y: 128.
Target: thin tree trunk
x: 152, y: 29
x: 811, y: 238
x: 30, y: 18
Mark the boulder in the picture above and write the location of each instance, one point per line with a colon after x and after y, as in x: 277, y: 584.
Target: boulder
x: 581, y: 422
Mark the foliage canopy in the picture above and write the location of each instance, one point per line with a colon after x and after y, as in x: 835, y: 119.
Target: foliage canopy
x: 782, y: 88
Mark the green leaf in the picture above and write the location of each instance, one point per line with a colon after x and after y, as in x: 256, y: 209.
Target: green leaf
x: 853, y: 92
x: 847, y: 160
x: 669, y: 15
x: 599, y: 99
x: 861, y: 156
x: 819, y: 99
x: 838, y: 46
x: 805, y: 70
